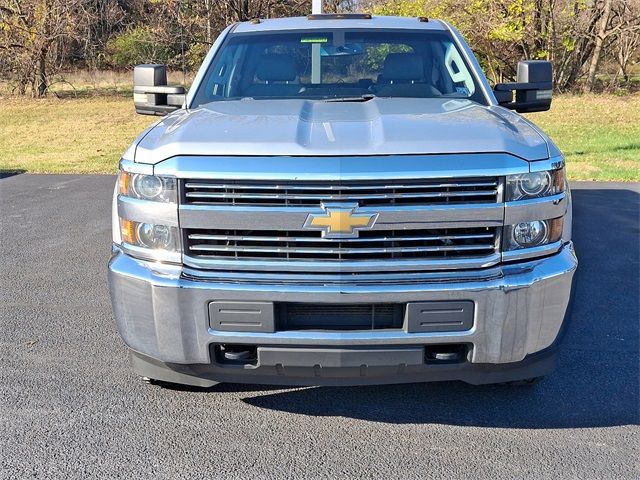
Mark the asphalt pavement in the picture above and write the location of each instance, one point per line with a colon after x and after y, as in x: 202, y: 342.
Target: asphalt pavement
x: 71, y: 408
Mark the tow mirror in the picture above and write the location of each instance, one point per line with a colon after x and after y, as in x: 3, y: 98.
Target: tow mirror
x: 151, y: 94
x: 533, y: 88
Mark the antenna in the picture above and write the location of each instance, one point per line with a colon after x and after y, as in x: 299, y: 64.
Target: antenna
x: 184, y: 63
x: 316, y: 58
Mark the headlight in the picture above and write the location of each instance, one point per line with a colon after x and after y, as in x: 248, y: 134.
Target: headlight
x: 532, y: 234
x: 147, y: 187
x: 534, y: 185
x: 150, y: 236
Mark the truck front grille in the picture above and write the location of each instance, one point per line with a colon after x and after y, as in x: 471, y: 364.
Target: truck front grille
x: 260, y: 226
x: 365, y: 193
x: 371, y: 245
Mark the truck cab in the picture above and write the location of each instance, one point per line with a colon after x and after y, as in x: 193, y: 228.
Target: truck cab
x: 342, y: 200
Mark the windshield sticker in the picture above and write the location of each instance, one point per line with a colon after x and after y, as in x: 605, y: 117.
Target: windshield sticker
x: 314, y: 40
x: 463, y: 90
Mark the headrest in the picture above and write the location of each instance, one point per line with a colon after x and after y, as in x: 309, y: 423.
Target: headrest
x: 403, y: 66
x: 276, y: 68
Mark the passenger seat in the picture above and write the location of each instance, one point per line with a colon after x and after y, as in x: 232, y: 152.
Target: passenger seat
x: 278, y: 72
x: 403, y: 76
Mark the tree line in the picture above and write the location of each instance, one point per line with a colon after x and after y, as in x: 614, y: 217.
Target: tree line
x: 593, y: 44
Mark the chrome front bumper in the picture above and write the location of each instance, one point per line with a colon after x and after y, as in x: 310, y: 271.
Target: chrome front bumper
x: 519, y: 311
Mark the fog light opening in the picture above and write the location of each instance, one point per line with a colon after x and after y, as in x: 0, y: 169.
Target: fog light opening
x: 236, y: 354
x: 455, y: 353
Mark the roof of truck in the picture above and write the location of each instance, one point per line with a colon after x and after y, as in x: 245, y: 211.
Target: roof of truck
x: 304, y: 23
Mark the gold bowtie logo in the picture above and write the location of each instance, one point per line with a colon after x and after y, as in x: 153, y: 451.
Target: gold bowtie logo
x: 340, y: 221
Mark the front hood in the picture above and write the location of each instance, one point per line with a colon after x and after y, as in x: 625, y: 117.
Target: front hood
x: 398, y: 126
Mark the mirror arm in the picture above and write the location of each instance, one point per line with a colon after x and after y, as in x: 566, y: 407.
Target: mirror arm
x: 509, y: 87
x: 159, y: 110
x: 178, y: 90
x: 524, y: 106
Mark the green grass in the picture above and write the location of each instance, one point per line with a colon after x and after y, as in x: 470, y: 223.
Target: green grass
x: 85, y: 135
x: 599, y: 134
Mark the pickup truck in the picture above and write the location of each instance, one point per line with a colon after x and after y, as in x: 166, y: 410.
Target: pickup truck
x: 342, y: 200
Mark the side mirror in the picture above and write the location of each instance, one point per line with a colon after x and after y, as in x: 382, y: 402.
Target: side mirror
x: 151, y: 95
x: 533, y: 88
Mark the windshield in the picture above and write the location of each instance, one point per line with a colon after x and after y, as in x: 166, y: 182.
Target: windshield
x: 344, y: 65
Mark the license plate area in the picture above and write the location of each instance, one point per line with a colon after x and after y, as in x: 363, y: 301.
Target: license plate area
x: 340, y: 358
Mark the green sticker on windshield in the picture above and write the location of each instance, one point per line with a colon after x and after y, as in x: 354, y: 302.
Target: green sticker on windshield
x: 314, y: 40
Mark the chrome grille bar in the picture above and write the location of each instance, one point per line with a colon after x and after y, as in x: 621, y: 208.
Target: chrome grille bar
x: 326, y: 197
x: 365, y: 193
x: 338, y: 251
x: 299, y: 278
x: 282, y: 247
x: 256, y: 238
x: 330, y: 187
x: 342, y: 267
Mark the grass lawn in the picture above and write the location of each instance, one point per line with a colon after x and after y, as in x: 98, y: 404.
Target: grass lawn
x: 67, y: 136
x: 599, y: 134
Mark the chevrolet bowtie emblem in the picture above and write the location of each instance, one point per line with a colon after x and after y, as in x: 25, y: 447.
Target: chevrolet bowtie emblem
x: 340, y: 220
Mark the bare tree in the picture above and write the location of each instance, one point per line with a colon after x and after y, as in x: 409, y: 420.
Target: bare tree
x: 580, y: 37
x: 36, y: 37
x: 583, y: 38
x: 619, y: 27
x: 601, y: 37
x: 626, y: 45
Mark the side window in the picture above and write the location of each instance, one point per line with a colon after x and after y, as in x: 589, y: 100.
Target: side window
x: 458, y: 71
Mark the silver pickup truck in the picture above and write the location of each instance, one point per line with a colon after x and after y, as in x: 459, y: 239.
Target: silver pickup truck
x: 342, y: 200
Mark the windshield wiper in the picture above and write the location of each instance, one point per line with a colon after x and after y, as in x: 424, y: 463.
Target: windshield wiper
x: 362, y: 98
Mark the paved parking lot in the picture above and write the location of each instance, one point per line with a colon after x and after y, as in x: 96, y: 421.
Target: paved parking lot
x: 70, y: 407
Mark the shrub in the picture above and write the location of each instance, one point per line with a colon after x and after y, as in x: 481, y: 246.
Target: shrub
x: 135, y: 46
x: 195, y: 55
